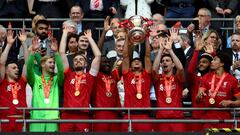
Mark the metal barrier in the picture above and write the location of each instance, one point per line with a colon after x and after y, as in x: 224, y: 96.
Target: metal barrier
x: 24, y: 20
x: 129, y: 120
x: 3, y: 120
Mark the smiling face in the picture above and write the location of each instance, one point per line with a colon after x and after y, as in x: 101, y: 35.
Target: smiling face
x: 12, y: 71
x: 48, y: 65
x: 73, y: 45
x: 204, y: 63
x: 76, y: 14
x: 83, y: 43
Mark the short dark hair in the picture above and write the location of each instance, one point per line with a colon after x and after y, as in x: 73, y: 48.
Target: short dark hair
x: 11, y: 61
x: 81, y: 54
x: 166, y: 55
x: 137, y: 58
x: 42, y: 21
x: 80, y: 34
x: 71, y: 35
x: 225, y: 59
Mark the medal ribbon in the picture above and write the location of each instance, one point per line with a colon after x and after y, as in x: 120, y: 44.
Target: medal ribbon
x: 107, y: 81
x: 78, y: 78
x: 213, y: 92
x: 168, y: 85
x: 138, y: 81
x: 46, y: 86
x: 14, y: 89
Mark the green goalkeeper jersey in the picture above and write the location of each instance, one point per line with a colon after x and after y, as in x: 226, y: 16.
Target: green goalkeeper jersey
x: 38, y: 95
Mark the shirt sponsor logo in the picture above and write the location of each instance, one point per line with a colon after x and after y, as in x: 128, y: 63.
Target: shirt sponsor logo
x: 162, y: 88
x: 9, y: 87
x: 83, y: 81
x: 133, y: 81
x: 221, y: 94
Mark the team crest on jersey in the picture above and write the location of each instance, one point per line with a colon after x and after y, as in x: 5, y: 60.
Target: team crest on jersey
x: 72, y: 81
x: 39, y: 86
x: 224, y: 84
x: 161, y: 87
x: 8, y: 88
x: 133, y: 81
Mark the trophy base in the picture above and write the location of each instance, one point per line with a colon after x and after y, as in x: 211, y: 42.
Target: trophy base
x: 137, y: 35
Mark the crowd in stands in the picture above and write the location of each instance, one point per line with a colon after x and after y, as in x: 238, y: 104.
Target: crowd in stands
x: 196, y: 61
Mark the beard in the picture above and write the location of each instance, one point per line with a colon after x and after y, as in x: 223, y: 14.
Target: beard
x: 203, y: 72
x: 79, y: 68
x: 42, y: 36
x: 105, y: 70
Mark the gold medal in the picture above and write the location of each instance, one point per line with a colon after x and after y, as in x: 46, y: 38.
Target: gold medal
x: 15, y: 101
x: 108, y: 94
x: 77, y: 93
x: 169, y: 100
x: 139, y: 96
x: 46, y: 100
x: 212, y: 101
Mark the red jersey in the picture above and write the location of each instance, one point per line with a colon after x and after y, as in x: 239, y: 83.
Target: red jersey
x: 85, y: 90
x: 6, y: 97
x: 130, y: 99
x: 176, y: 97
x: 227, y: 90
x: 194, y: 80
x: 103, y: 97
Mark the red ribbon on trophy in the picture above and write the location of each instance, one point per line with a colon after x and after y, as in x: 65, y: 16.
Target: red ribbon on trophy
x: 138, y: 28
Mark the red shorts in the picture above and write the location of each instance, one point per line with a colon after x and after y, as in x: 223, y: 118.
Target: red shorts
x: 11, y: 126
x: 73, y: 127
x: 219, y: 115
x: 137, y: 127
x: 170, y: 127
x: 105, y: 127
x: 196, y: 127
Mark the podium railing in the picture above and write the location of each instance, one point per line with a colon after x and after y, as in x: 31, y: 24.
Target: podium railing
x: 234, y: 120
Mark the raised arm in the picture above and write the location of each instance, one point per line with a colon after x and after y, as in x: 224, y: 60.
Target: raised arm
x: 22, y: 36
x: 177, y: 62
x: 193, y: 62
x: 97, y: 54
x: 30, y: 61
x: 147, y: 59
x: 125, y: 62
x: 63, y: 44
x: 4, y: 56
x: 157, y: 61
x: 105, y: 29
x: 58, y: 60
